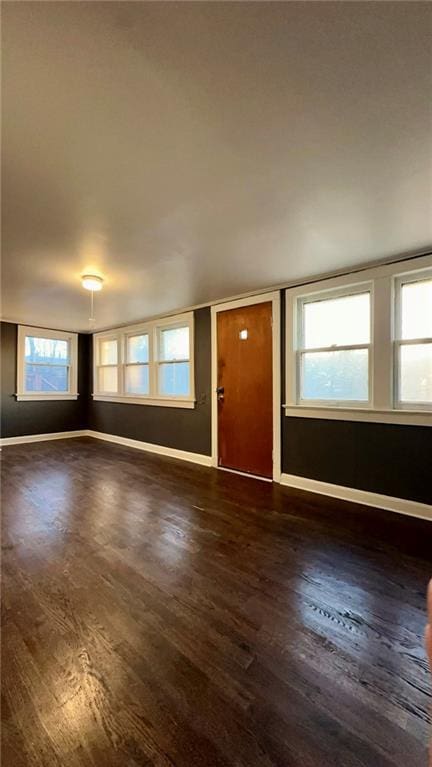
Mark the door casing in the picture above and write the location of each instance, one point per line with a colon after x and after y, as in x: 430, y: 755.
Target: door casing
x: 274, y: 297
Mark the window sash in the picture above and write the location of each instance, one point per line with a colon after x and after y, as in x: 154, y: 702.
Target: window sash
x: 100, y: 366
x: 329, y: 295
x: 398, y: 342
x: 161, y: 363
x: 172, y: 362
x: 332, y: 402
x: 400, y: 283
x: 58, y: 361
x: 129, y: 365
x: 100, y: 369
x: 99, y: 343
x: 70, y: 363
x: 55, y: 366
x: 127, y: 338
x: 333, y: 348
x: 64, y: 364
x: 399, y: 403
x: 300, y: 348
x: 159, y: 331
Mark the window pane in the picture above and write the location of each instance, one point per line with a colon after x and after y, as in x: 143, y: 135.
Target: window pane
x: 51, y: 350
x: 416, y: 373
x: 137, y: 379
x: 138, y: 348
x: 46, y: 378
x: 417, y: 309
x: 338, y: 375
x: 108, y: 379
x: 174, y: 344
x: 337, y: 321
x: 108, y: 352
x: 174, y: 379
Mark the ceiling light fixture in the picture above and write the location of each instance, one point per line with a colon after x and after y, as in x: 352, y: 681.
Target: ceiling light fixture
x: 92, y: 282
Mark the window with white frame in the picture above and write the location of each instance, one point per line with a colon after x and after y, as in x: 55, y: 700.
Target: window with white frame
x: 137, y: 361
x: 359, y: 347
x: 334, y: 347
x: 151, y: 363
x: 107, y: 368
x: 46, y: 364
x: 173, y: 361
x: 413, y: 343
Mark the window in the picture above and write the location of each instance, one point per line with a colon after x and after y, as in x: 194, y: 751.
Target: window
x: 148, y: 364
x: 173, y: 374
x: 359, y: 347
x: 46, y: 364
x: 334, y: 346
x: 107, y: 365
x: 137, y: 364
x: 413, y: 345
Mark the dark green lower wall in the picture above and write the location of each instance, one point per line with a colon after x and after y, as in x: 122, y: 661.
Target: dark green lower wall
x: 172, y: 427
x: 381, y: 458
x: 21, y: 418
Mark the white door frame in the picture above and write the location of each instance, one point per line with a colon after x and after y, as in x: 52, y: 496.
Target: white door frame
x: 274, y: 297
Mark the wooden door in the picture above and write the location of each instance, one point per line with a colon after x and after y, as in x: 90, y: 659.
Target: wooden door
x: 245, y: 389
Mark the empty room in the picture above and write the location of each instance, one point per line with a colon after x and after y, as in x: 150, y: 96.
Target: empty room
x: 216, y: 384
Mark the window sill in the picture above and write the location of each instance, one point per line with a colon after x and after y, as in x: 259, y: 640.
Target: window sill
x: 157, y: 401
x: 403, y: 417
x: 44, y: 397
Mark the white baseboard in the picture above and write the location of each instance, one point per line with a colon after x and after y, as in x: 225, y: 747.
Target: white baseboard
x: 149, y: 447
x: 43, y: 437
x: 400, y: 505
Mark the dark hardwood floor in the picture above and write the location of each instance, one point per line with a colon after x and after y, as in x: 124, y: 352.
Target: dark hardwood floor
x: 161, y: 613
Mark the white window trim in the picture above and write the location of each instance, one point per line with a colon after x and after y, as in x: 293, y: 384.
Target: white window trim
x: 127, y: 364
x: 382, y: 407
x: 398, y: 341
x: 362, y: 287
x: 22, y: 395
x: 152, y: 329
x: 97, y: 365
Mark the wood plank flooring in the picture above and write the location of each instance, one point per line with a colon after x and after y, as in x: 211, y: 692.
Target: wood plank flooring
x: 161, y: 613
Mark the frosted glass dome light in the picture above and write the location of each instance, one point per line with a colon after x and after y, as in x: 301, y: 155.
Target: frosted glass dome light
x: 92, y: 282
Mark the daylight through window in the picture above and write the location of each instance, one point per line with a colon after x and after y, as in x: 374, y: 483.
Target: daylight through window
x: 46, y: 364
x: 149, y: 364
x: 359, y: 347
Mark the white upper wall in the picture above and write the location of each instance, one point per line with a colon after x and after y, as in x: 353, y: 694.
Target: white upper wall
x: 194, y: 151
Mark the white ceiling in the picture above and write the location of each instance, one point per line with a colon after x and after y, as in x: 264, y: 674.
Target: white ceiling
x: 191, y: 151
